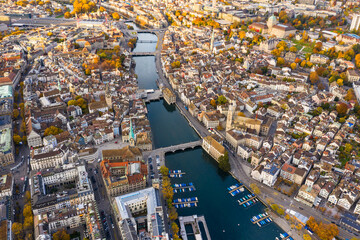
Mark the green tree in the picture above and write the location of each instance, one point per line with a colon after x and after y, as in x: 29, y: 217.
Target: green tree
x: 224, y: 162
x: 221, y: 99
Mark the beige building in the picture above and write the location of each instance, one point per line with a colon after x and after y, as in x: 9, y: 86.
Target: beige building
x: 213, y: 147
x: 169, y: 96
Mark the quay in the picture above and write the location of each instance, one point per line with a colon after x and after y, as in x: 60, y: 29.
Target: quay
x: 194, y: 221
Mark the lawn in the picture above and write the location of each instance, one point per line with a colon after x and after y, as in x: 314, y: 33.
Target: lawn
x: 308, y: 46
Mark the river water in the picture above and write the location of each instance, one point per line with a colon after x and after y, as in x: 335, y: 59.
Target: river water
x: 224, y: 217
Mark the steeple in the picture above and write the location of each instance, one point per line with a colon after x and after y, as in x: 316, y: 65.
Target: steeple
x: 59, y: 85
x: 131, y: 135
x: 212, y: 42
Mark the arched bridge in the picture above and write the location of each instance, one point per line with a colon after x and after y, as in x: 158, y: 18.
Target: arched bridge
x: 183, y: 146
x: 142, y: 53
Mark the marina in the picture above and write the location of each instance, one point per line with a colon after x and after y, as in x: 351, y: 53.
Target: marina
x: 176, y: 174
x: 185, y: 202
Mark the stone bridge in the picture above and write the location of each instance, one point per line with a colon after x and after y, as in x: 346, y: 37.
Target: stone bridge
x: 161, y: 151
x: 142, y: 53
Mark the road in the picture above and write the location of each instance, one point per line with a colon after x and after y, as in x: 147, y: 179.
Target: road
x: 102, y: 200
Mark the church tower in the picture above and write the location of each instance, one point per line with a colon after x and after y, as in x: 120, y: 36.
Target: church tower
x: 108, y: 99
x: 131, y: 135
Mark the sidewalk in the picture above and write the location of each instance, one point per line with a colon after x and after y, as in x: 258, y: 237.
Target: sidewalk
x: 281, y: 222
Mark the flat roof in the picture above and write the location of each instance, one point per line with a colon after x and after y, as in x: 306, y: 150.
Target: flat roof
x: 6, y: 91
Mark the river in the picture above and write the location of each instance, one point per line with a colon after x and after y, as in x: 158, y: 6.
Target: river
x: 224, y: 217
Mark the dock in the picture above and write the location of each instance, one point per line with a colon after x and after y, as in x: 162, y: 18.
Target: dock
x: 284, y: 236
x: 248, y: 200
x: 182, y: 187
x: 260, y: 217
x: 236, y: 189
x: 176, y: 175
x: 185, y: 200
x: 194, y: 220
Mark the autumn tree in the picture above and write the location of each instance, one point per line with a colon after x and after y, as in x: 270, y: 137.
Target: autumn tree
x: 52, y: 130
x: 340, y: 82
x: 293, y: 66
x: 293, y: 49
x: 17, y: 139
x: 221, y: 100
x: 255, y: 188
x: 116, y: 16
x: 164, y: 170
x: 350, y: 95
x: 17, y: 229
x: 61, y: 235
x: 15, y: 113
x: 314, y: 78
x: 280, y: 61
x: 306, y: 237
x: 342, y: 109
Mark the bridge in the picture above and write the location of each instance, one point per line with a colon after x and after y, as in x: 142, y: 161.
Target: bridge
x: 162, y: 151
x: 142, y: 53
x: 41, y: 22
x: 154, y: 96
x: 146, y: 41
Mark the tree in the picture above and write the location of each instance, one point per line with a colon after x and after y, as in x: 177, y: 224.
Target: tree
x: 348, y: 148
x: 116, y: 16
x: 173, y: 215
x: 255, y: 188
x: 27, y: 212
x: 15, y: 113
x: 280, y: 61
x: 164, y: 170
x: 61, y: 235
x: 306, y: 237
x: 350, y: 95
x: 241, y: 114
x: 314, y: 78
x: 312, y: 223
x: 293, y: 49
x: 67, y: 15
x: 224, y: 162
x: 174, y: 228
x: 17, y: 229
x: 27, y: 196
x: 17, y: 139
x: 293, y: 66
x: 213, y: 103
x: 52, y: 130
x: 221, y: 100
x: 102, y: 9
x: 342, y: 109
x: 340, y: 82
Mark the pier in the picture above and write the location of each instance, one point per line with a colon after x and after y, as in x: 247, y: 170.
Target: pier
x: 235, y: 189
x: 183, y: 187
x: 175, y: 175
x: 264, y: 216
x: 194, y: 221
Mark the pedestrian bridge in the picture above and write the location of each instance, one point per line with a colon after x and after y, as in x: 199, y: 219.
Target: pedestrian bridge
x: 142, y: 53
x: 146, y: 41
x: 173, y: 148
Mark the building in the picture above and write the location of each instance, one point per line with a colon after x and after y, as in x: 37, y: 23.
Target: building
x: 213, y: 147
x: 355, y: 22
x: 48, y: 158
x: 98, y: 106
x: 6, y: 185
x: 123, y: 177
x: 6, y: 147
x: 307, y: 195
x: 145, y: 203
x: 124, y: 154
x: 169, y: 96
x: 58, y: 188
x: 353, y: 75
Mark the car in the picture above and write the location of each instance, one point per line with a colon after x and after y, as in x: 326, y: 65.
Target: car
x: 112, y: 225
x: 115, y: 141
x: 301, y: 208
x: 151, y: 167
x: 157, y: 158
